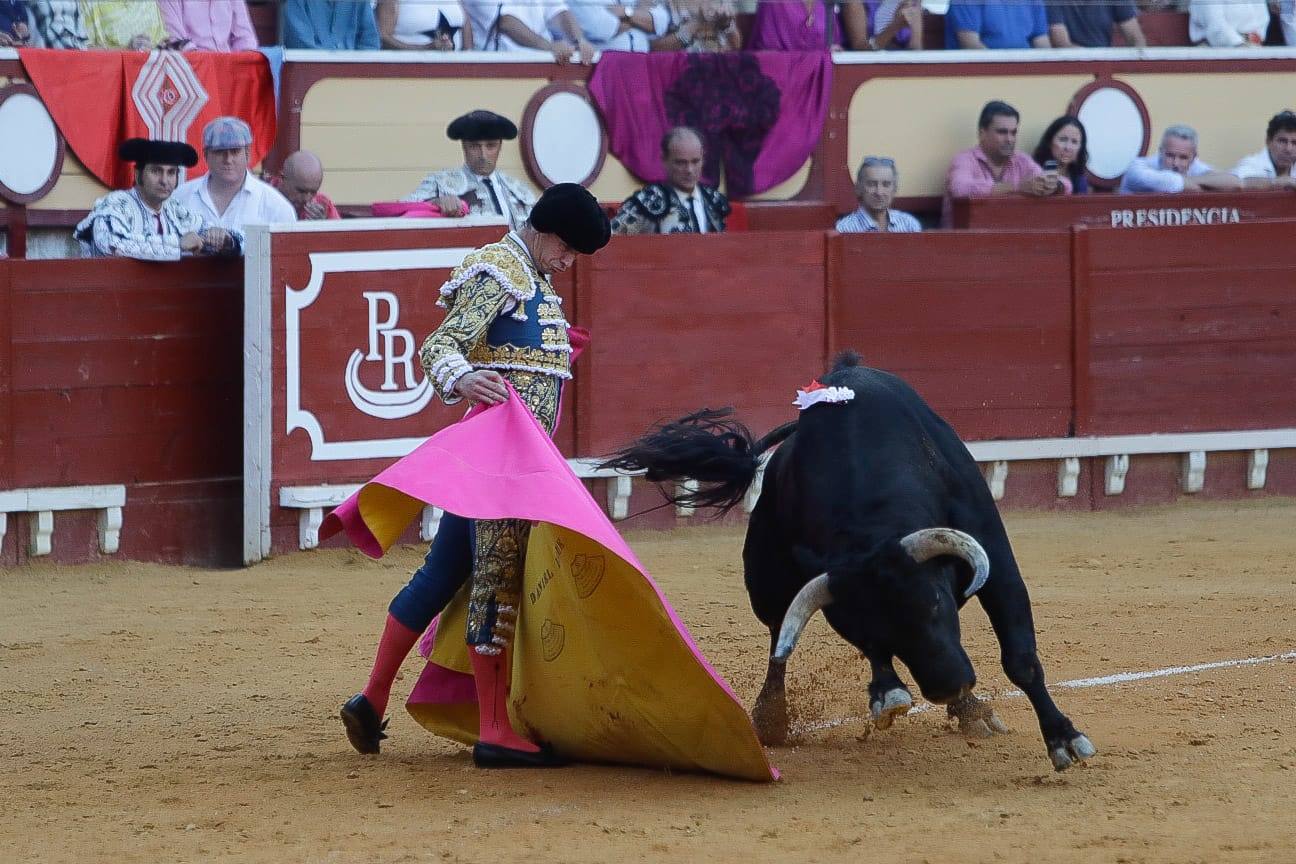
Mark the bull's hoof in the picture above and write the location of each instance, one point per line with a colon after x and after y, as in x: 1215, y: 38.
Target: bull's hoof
x: 896, y: 702
x: 770, y: 717
x: 1066, y: 754
x: 976, y: 719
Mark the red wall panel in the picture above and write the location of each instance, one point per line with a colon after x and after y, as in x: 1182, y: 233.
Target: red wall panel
x: 1191, y: 329
x: 679, y: 323
x: 980, y: 324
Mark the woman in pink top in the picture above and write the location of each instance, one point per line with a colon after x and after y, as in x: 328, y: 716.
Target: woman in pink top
x: 209, y: 25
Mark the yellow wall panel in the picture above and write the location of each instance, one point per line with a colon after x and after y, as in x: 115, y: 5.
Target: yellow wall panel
x: 923, y: 122
x: 1229, y: 111
x: 378, y: 139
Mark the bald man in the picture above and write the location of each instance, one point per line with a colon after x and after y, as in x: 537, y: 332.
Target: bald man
x: 300, y: 182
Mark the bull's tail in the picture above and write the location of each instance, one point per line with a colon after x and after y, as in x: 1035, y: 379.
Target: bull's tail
x: 709, y: 447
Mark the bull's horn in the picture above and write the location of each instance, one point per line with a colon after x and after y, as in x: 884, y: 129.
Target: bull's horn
x: 929, y: 542
x: 809, y: 600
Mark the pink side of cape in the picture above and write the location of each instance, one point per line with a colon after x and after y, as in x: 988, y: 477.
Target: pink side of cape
x: 498, y: 463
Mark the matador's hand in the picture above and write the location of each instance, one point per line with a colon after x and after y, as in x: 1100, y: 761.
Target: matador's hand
x: 484, y: 385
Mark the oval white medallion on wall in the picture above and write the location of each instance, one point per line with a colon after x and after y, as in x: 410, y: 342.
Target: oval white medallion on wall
x: 563, y: 140
x: 1117, y: 126
x: 31, y: 148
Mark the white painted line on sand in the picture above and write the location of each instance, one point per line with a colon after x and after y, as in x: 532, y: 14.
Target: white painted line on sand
x: 1080, y: 683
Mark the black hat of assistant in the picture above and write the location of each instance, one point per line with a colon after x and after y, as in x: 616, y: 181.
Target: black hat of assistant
x: 481, y: 126
x: 571, y: 212
x: 143, y: 151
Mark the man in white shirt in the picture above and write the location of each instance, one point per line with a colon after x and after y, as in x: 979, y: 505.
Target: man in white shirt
x: 1175, y: 168
x: 681, y: 205
x: 875, y: 188
x: 228, y: 195
x: 628, y: 26
x: 478, y: 187
x: 544, y: 25
x: 1271, y: 168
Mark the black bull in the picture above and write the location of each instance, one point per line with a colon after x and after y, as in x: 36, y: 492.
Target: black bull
x: 844, y: 523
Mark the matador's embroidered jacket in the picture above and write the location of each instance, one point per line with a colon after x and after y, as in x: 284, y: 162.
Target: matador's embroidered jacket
x: 503, y: 314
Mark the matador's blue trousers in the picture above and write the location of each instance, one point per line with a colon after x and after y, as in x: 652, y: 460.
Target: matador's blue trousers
x: 446, y: 568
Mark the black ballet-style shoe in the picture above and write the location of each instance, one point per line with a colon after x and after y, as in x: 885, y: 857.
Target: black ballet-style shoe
x: 363, y: 728
x: 496, y: 756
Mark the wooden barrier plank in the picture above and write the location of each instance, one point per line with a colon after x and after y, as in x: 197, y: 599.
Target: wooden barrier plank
x: 980, y: 324
x: 126, y: 434
x: 1192, y: 329
x: 674, y: 330
x: 6, y: 377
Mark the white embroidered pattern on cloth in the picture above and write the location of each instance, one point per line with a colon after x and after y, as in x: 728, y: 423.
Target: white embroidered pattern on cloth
x: 830, y: 395
x: 472, y: 270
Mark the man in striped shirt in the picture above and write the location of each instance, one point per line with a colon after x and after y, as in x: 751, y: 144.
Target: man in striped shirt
x: 875, y: 187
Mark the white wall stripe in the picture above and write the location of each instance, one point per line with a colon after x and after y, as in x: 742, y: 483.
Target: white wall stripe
x: 1078, y: 683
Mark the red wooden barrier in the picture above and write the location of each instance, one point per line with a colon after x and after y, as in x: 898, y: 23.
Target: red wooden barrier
x: 1106, y: 210
x: 128, y: 373
x: 120, y: 372
x: 683, y: 322
x: 1192, y: 329
x: 980, y: 324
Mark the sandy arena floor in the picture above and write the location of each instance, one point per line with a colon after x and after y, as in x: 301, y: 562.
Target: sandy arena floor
x: 163, y: 714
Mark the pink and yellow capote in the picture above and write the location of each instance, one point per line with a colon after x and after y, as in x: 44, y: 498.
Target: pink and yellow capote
x: 602, y: 666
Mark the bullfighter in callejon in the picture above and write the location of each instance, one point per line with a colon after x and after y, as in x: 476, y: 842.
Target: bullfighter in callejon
x: 145, y: 221
x: 478, y: 187
x: 504, y: 328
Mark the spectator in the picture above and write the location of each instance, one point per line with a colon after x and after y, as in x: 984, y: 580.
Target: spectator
x: 59, y: 24
x: 1087, y: 24
x: 1287, y: 20
x: 1271, y: 168
x: 681, y: 205
x: 1175, y: 168
x: 1231, y: 24
x: 477, y: 187
x: 544, y: 25
x: 995, y: 166
x: 1066, y: 143
x: 123, y: 25
x: 209, y: 25
x: 14, y: 30
x: 701, y: 25
x: 875, y: 188
x: 300, y: 182
x: 789, y: 25
x: 418, y: 25
x: 228, y: 195
x: 894, y: 24
x: 987, y: 24
x: 145, y: 221
x: 622, y: 27
x: 330, y: 25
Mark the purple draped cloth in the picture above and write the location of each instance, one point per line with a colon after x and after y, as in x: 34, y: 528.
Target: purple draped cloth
x: 760, y: 112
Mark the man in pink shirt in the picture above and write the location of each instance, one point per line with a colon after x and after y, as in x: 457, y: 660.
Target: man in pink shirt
x: 995, y: 166
x: 208, y: 25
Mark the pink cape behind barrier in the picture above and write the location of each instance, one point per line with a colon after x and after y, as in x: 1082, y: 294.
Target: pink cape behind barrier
x: 603, y: 668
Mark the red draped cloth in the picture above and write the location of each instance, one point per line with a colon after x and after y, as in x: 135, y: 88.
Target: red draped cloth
x: 100, y: 98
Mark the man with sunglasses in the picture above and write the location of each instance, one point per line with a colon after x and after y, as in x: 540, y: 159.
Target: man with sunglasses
x: 1271, y: 168
x: 875, y: 188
